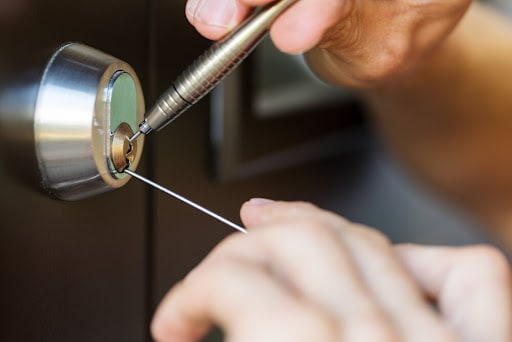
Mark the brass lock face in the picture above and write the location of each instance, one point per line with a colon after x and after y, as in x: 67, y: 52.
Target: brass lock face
x: 123, y: 151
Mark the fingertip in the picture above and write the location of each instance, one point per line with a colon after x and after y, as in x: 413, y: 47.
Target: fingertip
x: 251, y: 212
x: 176, y: 319
x: 214, y: 19
x: 161, y: 326
x: 258, y: 201
x: 160, y: 331
x: 211, y: 32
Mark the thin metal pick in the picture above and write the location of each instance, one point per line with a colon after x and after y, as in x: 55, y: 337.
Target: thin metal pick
x: 185, y: 200
x: 135, y: 136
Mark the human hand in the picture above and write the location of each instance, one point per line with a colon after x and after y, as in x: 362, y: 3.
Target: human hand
x: 304, y: 274
x: 352, y: 43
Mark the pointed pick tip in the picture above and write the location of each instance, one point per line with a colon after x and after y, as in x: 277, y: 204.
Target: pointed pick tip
x: 135, y: 136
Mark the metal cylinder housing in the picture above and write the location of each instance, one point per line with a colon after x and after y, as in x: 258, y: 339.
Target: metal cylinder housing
x: 82, y: 96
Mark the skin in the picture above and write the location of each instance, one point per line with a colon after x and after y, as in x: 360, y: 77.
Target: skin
x: 350, y: 43
x: 432, y: 74
x: 449, y: 121
x: 305, y: 274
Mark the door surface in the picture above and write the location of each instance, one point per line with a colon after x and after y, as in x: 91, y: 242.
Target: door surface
x: 94, y: 270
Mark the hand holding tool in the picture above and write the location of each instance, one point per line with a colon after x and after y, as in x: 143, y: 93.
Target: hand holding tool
x: 211, y: 68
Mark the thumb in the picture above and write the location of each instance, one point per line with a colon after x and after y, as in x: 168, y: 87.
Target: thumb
x: 471, y: 286
x: 215, y: 18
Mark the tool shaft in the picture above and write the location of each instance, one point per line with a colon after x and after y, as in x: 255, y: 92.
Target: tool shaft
x: 211, y: 68
x: 185, y: 200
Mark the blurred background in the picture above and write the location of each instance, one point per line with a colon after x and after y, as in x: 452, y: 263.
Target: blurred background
x: 94, y: 270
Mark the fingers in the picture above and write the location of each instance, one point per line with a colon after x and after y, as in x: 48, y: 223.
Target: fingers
x: 472, y: 286
x: 357, y: 44
x: 379, y: 42
x: 368, y: 278
x: 307, y: 253
x: 234, y: 289
x: 215, y: 18
x: 298, y: 29
x: 305, y: 274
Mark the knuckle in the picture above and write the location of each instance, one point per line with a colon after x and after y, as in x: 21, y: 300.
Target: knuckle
x: 374, y: 236
x: 346, y: 35
x: 229, y: 247
x: 388, y: 59
x: 229, y: 243
x: 158, y: 330
x: 216, y: 270
x: 488, y: 258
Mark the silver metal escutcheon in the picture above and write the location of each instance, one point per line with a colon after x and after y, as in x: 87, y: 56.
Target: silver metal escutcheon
x: 61, y: 122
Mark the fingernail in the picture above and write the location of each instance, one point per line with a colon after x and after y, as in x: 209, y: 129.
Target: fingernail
x: 191, y: 7
x: 260, y: 201
x: 219, y: 13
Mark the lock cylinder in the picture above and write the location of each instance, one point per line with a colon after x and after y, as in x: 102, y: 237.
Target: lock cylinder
x: 85, y: 106
x: 123, y: 151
